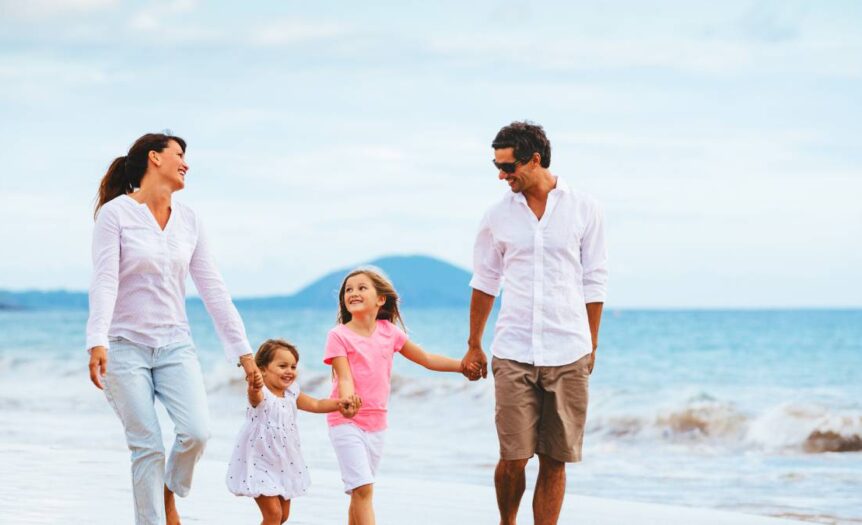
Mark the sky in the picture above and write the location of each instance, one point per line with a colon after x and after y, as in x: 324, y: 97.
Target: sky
x: 724, y: 139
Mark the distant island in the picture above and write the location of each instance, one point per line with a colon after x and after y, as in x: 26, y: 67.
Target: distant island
x: 422, y: 282
x: 39, y: 300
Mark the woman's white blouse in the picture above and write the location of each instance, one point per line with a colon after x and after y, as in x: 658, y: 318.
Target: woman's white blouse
x: 138, y: 289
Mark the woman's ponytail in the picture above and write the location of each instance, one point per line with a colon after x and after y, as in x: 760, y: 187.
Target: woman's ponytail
x: 125, y: 173
x: 114, y: 183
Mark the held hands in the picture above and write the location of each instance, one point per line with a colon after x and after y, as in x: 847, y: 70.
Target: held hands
x: 255, y: 382
x: 348, y: 406
x: 98, y: 365
x: 474, y: 365
x: 248, y: 365
x: 472, y: 371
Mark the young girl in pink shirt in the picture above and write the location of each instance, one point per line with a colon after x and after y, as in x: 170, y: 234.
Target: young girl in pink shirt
x: 360, y: 349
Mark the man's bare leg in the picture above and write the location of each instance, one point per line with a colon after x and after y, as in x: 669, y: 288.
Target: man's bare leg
x: 550, y: 490
x: 510, y: 483
x: 172, y: 517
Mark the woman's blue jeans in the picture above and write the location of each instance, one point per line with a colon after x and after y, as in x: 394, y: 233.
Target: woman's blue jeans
x: 136, y: 376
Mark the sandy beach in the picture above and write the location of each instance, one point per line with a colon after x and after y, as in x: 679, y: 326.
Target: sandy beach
x: 84, y: 486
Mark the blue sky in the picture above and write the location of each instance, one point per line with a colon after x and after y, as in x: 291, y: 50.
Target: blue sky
x: 724, y: 139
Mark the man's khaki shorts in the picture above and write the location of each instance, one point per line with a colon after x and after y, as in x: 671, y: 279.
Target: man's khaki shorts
x: 541, y: 409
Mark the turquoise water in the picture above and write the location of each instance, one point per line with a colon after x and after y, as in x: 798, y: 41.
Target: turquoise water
x: 732, y: 409
x: 643, y: 350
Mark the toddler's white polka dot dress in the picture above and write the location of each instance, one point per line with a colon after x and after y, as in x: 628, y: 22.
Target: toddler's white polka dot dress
x: 267, y: 459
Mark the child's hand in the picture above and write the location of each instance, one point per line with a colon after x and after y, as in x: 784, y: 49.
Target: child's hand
x: 348, y: 406
x: 255, y: 381
x: 471, y: 371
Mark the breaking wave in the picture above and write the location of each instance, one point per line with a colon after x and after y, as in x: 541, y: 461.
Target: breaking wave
x: 808, y: 428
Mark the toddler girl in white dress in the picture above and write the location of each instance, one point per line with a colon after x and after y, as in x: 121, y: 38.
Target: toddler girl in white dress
x: 267, y: 462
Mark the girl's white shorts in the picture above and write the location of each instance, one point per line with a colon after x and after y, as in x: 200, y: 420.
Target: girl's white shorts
x: 358, y: 452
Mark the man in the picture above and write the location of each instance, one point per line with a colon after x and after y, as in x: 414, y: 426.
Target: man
x: 545, y: 241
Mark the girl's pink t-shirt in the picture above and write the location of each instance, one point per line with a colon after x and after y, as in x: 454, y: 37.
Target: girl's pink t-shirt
x: 370, y: 360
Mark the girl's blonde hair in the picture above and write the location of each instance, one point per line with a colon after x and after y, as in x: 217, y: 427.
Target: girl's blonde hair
x: 266, y: 353
x: 384, y: 288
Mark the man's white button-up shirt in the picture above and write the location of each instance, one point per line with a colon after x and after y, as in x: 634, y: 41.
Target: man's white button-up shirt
x: 550, y: 269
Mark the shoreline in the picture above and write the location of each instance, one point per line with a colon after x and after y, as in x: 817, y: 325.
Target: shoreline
x: 74, y: 485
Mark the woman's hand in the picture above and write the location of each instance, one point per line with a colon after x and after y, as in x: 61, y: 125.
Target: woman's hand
x: 248, y: 366
x: 98, y: 365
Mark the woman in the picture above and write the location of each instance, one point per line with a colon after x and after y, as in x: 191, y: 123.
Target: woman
x: 138, y: 337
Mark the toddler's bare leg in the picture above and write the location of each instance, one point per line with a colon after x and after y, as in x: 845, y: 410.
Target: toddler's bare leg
x: 270, y: 508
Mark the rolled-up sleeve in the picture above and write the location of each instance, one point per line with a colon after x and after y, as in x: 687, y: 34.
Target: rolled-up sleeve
x: 487, y: 260
x: 217, y: 300
x: 105, y: 278
x: 594, y: 258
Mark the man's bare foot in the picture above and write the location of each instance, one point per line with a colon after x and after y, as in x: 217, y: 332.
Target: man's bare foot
x: 171, y: 515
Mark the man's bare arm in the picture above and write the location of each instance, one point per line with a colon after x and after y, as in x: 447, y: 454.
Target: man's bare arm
x: 594, y: 314
x: 480, y: 309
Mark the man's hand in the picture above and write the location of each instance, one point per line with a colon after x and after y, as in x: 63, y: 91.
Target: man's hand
x: 594, y: 314
x: 98, y: 365
x: 471, y: 371
x: 474, y: 365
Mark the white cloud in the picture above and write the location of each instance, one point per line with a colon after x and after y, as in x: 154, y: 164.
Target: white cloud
x: 169, y: 23
x: 52, y: 8
x: 27, y: 69
x: 156, y: 32
x: 583, y: 53
x: 764, y: 24
x: 775, y: 49
x: 291, y: 31
x: 714, y: 144
x: 154, y: 17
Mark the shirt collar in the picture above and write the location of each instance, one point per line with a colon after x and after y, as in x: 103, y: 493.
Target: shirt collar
x: 561, y: 186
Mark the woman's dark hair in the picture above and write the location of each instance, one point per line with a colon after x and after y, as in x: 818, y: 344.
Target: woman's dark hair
x: 126, y: 172
x: 527, y: 138
x: 266, y: 353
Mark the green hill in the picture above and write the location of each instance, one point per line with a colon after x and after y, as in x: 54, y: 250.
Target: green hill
x: 421, y: 281
x: 39, y: 300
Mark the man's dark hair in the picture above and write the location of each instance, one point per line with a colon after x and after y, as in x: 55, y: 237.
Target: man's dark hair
x: 527, y: 138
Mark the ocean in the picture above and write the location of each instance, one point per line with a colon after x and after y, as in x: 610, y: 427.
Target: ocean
x: 753, y: 411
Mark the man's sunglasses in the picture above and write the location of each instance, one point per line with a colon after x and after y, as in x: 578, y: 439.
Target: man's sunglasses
x: 506, y: 167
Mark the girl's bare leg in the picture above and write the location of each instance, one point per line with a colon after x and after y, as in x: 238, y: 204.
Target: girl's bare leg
x: 361, y: 509
x: 270, y: 509
x: 285, y: 509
